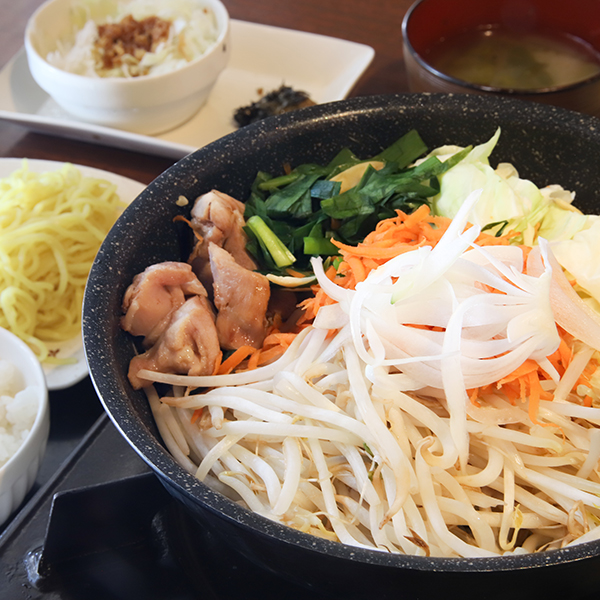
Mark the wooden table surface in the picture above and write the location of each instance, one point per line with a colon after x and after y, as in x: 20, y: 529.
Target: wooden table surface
x: 378, y: 27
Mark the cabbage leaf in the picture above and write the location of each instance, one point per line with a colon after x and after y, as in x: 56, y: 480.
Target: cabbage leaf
x: 580, y: 257
x: 507, y: 202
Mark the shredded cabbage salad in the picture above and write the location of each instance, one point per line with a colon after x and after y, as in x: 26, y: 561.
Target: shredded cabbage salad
x: 192, y: 32
x: 441, y: 396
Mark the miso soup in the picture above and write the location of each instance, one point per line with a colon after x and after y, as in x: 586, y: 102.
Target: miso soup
x: 502, y: 59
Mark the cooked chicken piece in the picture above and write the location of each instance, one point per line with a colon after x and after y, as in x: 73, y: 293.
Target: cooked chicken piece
x: 189, y: 345
x: 218, y: 219
x: 154, y: 294
x: 241, y: 298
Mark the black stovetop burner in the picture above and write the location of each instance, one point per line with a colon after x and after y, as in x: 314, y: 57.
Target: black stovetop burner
x: 103, y: 527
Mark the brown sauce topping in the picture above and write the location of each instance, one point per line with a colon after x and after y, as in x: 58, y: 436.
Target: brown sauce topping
x: 120, y: 42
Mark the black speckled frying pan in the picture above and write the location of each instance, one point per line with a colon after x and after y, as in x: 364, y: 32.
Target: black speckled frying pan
x: 546, y: 144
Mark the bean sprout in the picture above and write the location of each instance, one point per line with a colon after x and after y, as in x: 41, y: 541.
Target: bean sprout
x: 396, y: 433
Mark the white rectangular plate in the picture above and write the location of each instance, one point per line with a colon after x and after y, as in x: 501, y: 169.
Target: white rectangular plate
x: 262, y: 59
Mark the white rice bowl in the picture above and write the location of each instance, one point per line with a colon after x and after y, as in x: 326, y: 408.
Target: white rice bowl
x: 18, y: 409
x: 24, y: 421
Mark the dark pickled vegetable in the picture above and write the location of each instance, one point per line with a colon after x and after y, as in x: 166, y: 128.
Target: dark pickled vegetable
x: 276, y: 102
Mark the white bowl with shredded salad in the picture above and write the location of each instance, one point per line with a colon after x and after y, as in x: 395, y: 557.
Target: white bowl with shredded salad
x: 24, y: 421
x: 143, y: 66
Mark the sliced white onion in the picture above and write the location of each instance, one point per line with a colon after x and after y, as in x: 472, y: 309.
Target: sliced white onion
x: 570, y: 311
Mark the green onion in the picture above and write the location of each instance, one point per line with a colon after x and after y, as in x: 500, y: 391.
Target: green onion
x: 276, y: 248
x: 319, y: 246
x: 277, y: 182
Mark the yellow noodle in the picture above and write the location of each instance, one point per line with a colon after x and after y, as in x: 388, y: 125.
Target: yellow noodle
x: 51, y: 226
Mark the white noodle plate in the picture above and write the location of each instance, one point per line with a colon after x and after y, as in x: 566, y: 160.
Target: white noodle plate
x: 64, y: 376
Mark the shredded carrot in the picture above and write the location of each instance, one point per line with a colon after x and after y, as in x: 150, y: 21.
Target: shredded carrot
x: 535, y: 392
x: 529, y: 366
x: 182, y: 218
x: 312, y: 305
x: 562, y: 357
x: 294, y: 273
x: 331, y: 272
x: 358, y: 268
x: 513, y: 392
x: 391, y: 237
x: 270, y: 354
x: 473, y: 396
x: 253, y: 361
x: 279, y: 339
x: 196, y: 414
x: 235, y: 359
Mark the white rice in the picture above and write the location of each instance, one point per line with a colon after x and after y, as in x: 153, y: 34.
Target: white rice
x: 193, y: 31
x: 18, y: 409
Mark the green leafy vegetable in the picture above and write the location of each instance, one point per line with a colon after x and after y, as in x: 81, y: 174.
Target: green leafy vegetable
x: 404, y: 151
x: 309, y: 206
